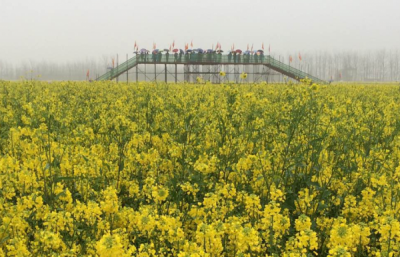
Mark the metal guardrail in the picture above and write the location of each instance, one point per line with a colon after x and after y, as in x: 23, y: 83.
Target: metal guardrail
x: 296, y: 72
x: 123, y: 67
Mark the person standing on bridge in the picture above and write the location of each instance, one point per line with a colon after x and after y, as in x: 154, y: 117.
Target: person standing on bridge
x: 159, y: 56
x: 186, y: 57
x: 180, y: 56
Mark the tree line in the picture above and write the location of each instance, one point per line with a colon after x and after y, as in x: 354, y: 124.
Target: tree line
x: 380, y: 65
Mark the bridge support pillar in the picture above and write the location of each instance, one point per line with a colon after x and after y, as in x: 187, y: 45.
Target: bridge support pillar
x: 186, y: 70
x: 236, y: 72
x: 256, y: 73
x: 267, y: 72
x: 165, y: 70
x: 215, y: 73
x: 176, y: 73
x: 205, y: 70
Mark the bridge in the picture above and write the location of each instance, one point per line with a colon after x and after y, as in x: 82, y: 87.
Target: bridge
x: 211, y: 65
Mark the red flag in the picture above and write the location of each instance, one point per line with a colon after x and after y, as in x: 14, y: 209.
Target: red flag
x: 173, y: 43
x: 300, y: 57
x: 262, y: 46
x: 269, y: 48
x: 170, y: 47
x: 191, y: 44
x: 290, y: 59
x: 87, y: 74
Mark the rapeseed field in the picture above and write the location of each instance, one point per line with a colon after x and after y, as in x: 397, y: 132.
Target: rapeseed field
x: 107, y: 169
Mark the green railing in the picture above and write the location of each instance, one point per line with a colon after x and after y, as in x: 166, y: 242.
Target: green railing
x: 115, y: 72
x: 208, y: 59
x: 296, y: 73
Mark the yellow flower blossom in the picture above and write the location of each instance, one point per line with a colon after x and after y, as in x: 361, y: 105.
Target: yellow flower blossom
x: 147, y: 169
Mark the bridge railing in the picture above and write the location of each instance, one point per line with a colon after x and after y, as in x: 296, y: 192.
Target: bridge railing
x: 121, y: 68
x: 290, y: 69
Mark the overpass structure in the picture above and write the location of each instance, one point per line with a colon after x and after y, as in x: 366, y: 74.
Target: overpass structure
x: 207, y: 66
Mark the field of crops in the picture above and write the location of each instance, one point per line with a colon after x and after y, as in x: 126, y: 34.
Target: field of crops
x: 106, y: 169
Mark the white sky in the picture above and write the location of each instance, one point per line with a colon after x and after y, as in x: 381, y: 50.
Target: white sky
x: 68, y: 30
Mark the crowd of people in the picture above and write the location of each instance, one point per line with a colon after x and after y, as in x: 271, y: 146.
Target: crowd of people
x: 199, y: 55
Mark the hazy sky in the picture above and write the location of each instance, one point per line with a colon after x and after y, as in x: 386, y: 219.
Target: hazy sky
x: 67, y: 30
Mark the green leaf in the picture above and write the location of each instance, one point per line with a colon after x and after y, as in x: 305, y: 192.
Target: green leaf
x: 47, y: 166
x: 4, y: 240
x: 84, y: 157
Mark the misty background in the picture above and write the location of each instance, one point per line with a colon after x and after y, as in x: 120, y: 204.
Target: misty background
x: 356, y: 40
